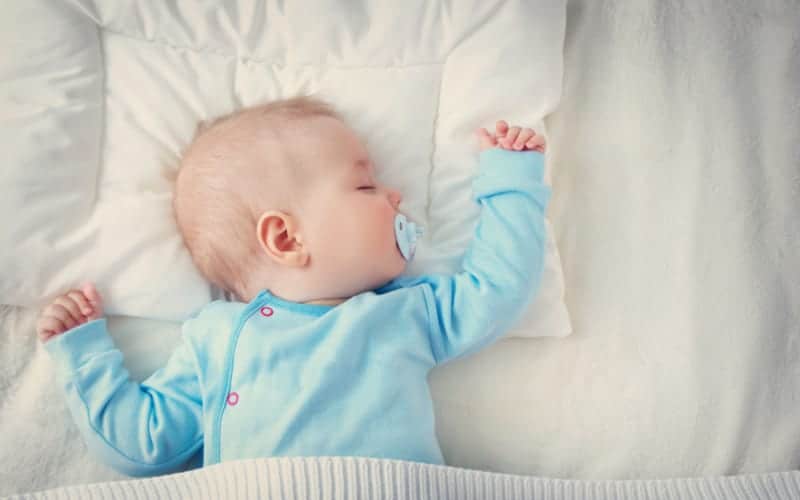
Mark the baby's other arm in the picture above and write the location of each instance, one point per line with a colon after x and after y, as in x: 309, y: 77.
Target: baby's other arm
x: 139, y: 429
x: 503, y: 266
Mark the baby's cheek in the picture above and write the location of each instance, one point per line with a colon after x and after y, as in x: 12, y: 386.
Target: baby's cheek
x: 373, y: 233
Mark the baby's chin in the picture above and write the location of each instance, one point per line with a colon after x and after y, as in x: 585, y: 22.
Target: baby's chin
x: 401, y: 268
x: 397, y: 271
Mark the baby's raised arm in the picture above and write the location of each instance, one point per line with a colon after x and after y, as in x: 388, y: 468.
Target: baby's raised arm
x: 503, y: 266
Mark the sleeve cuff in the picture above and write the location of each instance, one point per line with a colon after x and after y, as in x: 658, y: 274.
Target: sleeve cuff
x: 73, y: 348
x: 502, y: 170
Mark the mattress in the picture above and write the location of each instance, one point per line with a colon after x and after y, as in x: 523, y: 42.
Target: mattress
x: 676, y: 183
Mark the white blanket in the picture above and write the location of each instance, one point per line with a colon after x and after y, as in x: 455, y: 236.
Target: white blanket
x: 339, y: 478
x: 676, y: 176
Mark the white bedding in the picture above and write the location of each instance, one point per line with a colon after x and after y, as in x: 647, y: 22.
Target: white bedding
x: 101, y: 98
x: 676, y: 187
x: 358, y: 478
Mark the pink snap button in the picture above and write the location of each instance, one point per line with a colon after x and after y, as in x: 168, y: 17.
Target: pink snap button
x: 233, y: 398
x: 266, y: 311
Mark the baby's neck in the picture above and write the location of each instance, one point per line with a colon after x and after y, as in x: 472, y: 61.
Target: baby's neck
x: 253, y: 288
x: 326, y: 302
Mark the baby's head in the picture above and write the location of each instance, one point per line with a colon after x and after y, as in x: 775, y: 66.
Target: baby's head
x: 283, y: 196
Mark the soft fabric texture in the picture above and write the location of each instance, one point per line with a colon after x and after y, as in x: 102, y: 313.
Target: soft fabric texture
x: 280, y: 378
x: 103, y: 97
x: 674, y: 157
x: 348, y: 478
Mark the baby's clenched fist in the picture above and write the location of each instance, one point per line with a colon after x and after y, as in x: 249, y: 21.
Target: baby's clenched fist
x: 514, y: 138
x: 67, y: 311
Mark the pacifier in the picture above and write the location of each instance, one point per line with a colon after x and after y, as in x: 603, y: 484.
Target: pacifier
x: 406, y: 233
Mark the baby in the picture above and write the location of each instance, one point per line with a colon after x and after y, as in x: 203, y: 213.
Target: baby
x: 326, y: 350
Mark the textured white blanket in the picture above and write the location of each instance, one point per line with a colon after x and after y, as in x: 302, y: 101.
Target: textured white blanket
x: 348, y: 478
x: 676, y: 175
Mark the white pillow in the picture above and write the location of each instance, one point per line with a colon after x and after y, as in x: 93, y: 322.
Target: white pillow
x: 99, y: 100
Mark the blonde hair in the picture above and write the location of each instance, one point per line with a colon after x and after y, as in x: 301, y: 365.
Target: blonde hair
x: 216, y: 215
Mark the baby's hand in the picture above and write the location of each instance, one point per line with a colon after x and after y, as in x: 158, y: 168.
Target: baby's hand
x: 516, y: 138
x: 72, y: 309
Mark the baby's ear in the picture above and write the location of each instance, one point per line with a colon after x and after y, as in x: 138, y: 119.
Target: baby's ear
x: 278, y: 237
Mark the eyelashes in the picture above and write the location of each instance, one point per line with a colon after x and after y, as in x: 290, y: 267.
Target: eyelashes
x: 366, y: 187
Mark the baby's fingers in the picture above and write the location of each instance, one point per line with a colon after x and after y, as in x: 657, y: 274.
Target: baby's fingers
x: 81, y: 301
x: 486, y: 139
x: 60, y: 313
x: 48, y: 326
x: 537, y: 142
x: 68, y: 311
x: 95, y: 300
x: 523, y: 137
x: 502, y: 129
x: 511, y: 136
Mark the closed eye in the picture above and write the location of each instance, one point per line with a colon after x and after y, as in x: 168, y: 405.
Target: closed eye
x: 366, y: 187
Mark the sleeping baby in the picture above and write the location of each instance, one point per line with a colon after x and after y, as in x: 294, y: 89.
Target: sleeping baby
x: 326, y: 348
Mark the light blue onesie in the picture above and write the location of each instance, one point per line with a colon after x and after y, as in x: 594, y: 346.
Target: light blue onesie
x: 279, y: 378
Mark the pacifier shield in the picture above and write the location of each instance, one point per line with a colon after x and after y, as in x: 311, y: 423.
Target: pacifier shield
x: 406, y: 233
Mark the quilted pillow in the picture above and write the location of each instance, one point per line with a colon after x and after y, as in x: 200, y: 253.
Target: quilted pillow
x: 99, y: 99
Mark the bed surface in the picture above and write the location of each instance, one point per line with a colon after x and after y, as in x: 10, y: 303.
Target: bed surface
x: 676, y: 187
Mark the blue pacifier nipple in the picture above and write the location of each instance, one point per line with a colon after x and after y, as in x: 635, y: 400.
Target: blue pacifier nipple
x: 406, y: 233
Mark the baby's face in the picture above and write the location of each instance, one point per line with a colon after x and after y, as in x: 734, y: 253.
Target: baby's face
x: 348, y: 216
